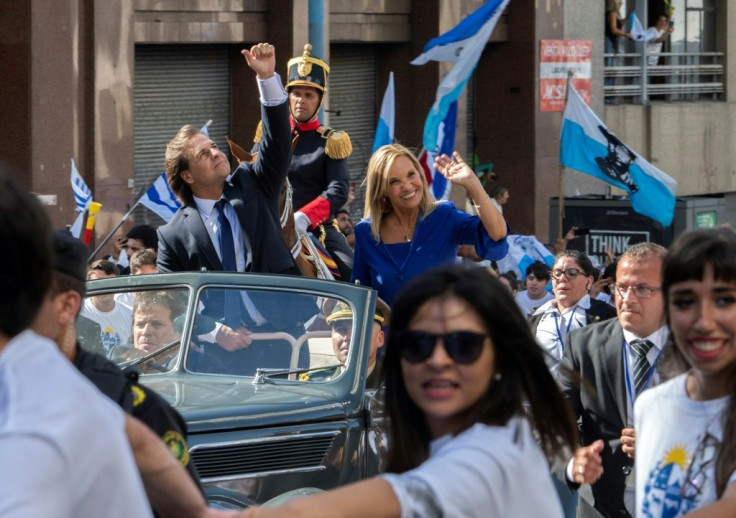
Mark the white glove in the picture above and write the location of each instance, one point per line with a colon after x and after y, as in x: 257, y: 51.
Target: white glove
x: 301, y: 223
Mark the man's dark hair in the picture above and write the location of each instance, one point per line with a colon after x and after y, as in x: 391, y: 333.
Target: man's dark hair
x: 539, y: 270
x: 342, y: 211
x: 26, y: 269
x: 105, y: 266
x: 146, y: 234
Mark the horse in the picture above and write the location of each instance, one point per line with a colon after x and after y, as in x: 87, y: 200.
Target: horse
x: 310, y: 257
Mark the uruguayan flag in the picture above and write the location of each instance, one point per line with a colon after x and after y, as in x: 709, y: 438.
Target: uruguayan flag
x: 385, y: 129
x: 160, y: 199
x: 523, y: 251
x: 588, y: 146
x: 82, y: 194
x: 637, y: 30
x: 438, y: 184
x: 462, y: 45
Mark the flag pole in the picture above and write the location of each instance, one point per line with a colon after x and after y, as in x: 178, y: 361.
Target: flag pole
x: 561, y: 202
x: 120, y: 223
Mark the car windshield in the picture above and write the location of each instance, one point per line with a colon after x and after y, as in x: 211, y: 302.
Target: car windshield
x: 268, y: 334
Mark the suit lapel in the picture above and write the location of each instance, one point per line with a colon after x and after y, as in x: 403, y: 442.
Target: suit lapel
x: 613, y: 368
x: 194, y: 224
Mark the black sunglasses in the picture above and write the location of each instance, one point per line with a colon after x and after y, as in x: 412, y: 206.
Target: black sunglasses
x: 462, y: 346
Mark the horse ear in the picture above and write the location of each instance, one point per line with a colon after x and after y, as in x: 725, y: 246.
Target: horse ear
x: 240, y: 154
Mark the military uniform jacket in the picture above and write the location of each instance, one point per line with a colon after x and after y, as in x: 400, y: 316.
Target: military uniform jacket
x: 140, y: 402
x: 316, y: 177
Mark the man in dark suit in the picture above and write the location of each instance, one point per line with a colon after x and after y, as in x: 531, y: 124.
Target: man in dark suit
x: 615, y: 360
x: 198, y: 172
x: 231, y: 222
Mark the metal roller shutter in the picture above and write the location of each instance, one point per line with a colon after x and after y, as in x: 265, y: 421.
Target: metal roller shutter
x: 176, y: 85
x: 352, y: 98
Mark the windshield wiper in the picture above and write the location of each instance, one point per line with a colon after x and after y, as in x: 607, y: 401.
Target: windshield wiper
x: 263, y: 374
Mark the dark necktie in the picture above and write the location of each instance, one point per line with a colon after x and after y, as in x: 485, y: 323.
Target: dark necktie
x: 233, y: 304
x: 641, y: 363
x: 227, y: 245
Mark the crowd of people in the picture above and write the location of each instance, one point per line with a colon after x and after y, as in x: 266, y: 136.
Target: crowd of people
x: 559, y: 399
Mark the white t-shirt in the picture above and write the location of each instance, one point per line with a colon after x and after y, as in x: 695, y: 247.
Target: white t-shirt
x: 654, y: 47
x: 62, y: 443
x: 528, y: 305
x: 484, y: 471
x: 116, y: 326
x: 670, y: 427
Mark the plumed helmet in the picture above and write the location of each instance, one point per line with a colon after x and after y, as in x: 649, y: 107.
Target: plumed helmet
x: 306, y: 70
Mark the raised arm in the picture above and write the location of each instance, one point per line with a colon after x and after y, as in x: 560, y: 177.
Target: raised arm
x: 274, y: 153
x: 458, y: 172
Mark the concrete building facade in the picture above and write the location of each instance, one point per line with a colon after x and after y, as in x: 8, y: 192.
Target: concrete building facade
x: 76, y: 87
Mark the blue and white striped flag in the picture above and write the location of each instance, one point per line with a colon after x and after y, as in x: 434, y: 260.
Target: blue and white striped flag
x: 385, y: 128
x: 160, y: 199
x: 82, y: 194
x: 438, y: 184
x: 588, y: 146
x: 523, y: 251
x: 463, y: 45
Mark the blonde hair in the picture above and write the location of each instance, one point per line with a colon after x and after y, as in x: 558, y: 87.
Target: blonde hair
x: 377, y: 203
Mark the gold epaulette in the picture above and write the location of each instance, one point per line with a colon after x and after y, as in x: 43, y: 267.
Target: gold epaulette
x: 259, y: 132
x: 338, y: 142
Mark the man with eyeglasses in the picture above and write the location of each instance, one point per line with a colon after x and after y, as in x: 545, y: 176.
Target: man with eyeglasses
x: 618, y: 358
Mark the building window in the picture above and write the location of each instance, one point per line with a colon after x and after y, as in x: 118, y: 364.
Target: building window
x: 690, y: 65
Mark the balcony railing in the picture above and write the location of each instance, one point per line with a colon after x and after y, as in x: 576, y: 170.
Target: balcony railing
x: 677, y: 76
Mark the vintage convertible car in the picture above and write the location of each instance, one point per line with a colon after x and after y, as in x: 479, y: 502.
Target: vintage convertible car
x: 279, y: 415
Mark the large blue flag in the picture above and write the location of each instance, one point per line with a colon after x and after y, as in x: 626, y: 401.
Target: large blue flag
x: 462, y: 45
x: 438, y: 184
x: 385, y: 128
x: 588, y: 146
x: 160, y: 199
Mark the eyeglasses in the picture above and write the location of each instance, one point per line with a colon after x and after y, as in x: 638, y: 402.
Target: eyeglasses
x: 463, y: 347
x: 570, y: 273
x: 696, y: 477
x: 642, y: 292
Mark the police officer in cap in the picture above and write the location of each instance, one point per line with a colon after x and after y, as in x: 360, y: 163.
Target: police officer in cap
x: 340, y: 318
x: 319, y: 172
x: 58, y: 320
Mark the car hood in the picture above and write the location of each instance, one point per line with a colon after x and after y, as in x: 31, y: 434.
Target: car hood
x: 222, y: 401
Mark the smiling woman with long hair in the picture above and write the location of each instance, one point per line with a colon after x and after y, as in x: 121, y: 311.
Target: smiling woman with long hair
x: 465, y: 386
x: 407, y: 232
x: 686, y: 427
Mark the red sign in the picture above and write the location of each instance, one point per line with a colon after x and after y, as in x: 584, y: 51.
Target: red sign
x: 556, y: 58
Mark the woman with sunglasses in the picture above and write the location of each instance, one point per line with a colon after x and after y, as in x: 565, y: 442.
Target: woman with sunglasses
x: 572, y: 277
x: 686, y: 427
x: 461, y: 367
x: 406, y: 232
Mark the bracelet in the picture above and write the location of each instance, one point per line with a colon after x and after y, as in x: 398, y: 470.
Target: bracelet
x: 479, y: 205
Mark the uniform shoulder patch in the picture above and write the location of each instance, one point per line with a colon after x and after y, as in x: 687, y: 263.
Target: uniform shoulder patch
x: 139, y: 395
x: 338, y: 142
x: 177, y: 446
